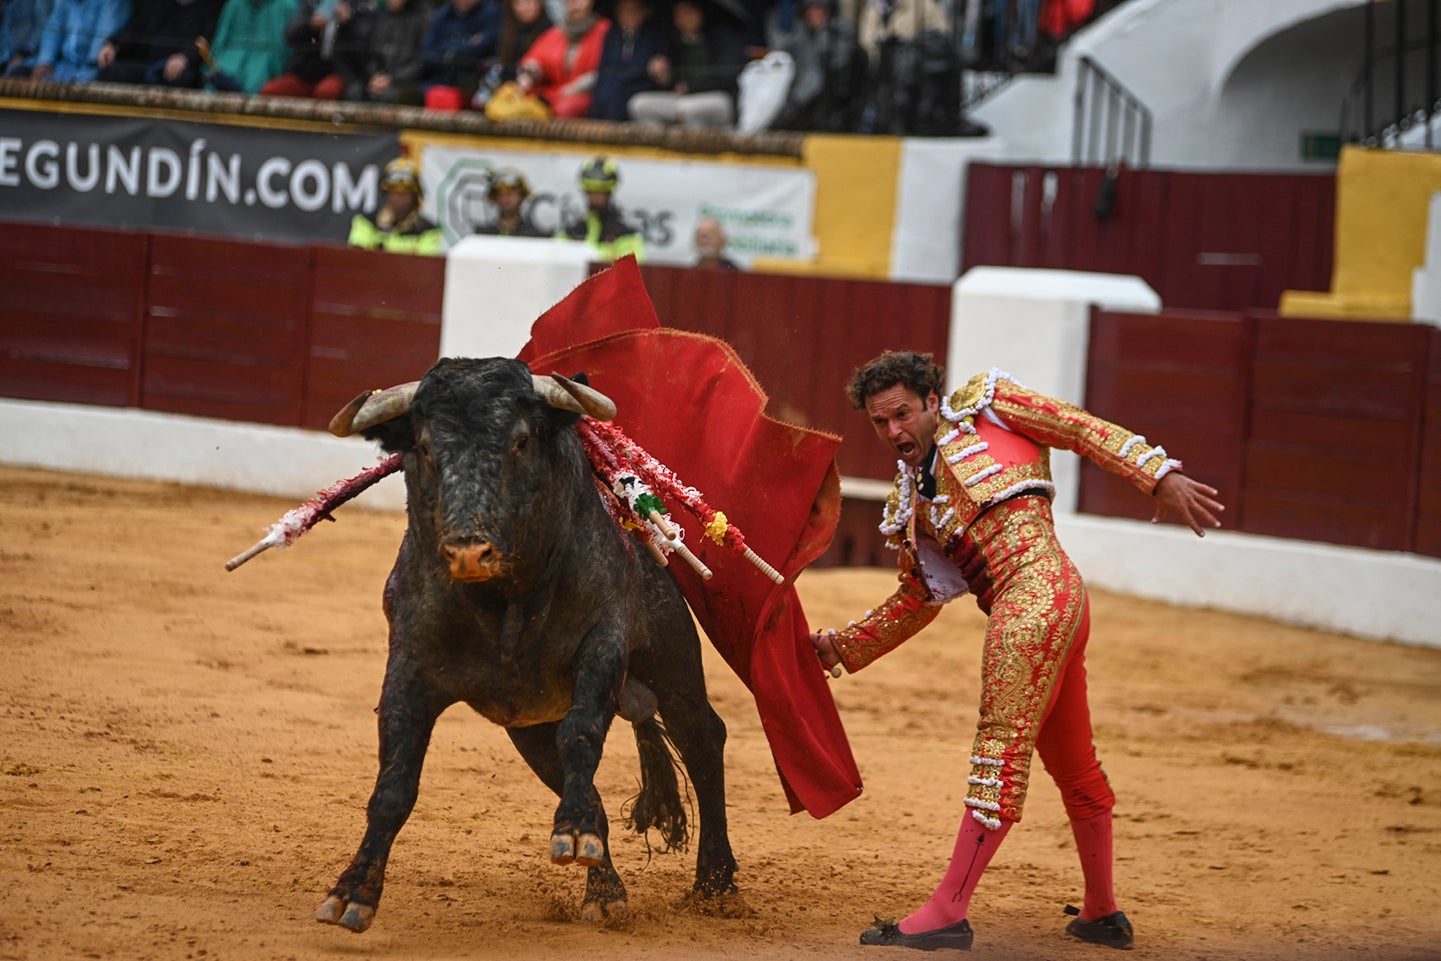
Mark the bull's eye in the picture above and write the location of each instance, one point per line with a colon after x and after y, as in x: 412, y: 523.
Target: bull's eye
x: 521, y: 442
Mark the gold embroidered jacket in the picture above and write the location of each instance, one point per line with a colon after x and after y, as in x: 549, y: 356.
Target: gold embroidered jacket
x: 993, y: 440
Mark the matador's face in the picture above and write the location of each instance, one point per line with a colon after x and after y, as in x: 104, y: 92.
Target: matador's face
x: 904, y: 421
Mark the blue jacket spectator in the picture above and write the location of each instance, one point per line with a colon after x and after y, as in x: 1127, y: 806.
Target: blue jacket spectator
x: 21, y: 24
x: 460, y: 42
x: 73, y: 36
x: 623, y: 72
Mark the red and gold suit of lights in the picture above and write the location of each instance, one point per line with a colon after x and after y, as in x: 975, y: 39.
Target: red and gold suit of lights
x: 989, y: 530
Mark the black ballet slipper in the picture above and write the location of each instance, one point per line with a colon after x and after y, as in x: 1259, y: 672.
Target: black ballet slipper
x: 887, y: 933
x: 1113, y: 930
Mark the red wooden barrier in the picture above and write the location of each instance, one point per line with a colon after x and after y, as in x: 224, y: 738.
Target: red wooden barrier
x: 71, y: 317
x: 1428, y: 504
x: 1333, y: 441
x: 1323, y: 430
x: 374, y: 322
x: 1215, y: 241
x: 226, y: 329
x: 1180, y: 379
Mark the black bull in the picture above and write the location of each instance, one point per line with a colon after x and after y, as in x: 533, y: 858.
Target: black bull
x: 515, y: 592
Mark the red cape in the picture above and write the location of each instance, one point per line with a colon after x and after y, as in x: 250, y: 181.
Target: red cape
x: 690, y: 401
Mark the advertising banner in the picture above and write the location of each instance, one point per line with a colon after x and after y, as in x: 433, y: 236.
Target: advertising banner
x: 766, y: 210
x: 143, y: 173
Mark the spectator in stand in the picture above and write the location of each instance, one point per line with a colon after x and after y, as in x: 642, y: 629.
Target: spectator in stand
x: 915, y: 71
x: 827, y: 92
x: 897, y: 20
x: 387, y: 67
x: 398, y: 227
x: 509, y: 191
x: 561, y: 65
x: 459, y: 45
x: 321, y: 34
x: 630, y: 45
x: 696, y: 75
x: 521, y: 26
x: 158, y: 45
x: 72, y: 37
x: 604, y: 227
x: 21, y: 24
x: 710, y: 246
x: 249, y: 45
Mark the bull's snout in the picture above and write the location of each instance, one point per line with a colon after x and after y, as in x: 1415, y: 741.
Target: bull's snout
x: 471, y: 561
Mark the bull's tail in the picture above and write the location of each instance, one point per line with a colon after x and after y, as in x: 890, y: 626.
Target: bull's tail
x: 659, y: 804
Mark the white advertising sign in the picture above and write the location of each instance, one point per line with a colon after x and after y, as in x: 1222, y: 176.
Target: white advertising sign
x: 766, y: 211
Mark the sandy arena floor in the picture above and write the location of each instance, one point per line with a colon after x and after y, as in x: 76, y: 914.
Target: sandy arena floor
x: 185, y: 756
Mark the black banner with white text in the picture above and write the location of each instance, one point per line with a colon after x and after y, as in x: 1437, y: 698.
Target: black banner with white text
x: 146, y: 173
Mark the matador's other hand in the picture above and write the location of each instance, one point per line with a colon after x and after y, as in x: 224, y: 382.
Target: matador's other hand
x: 826, y: 650
x: 1194, y: 502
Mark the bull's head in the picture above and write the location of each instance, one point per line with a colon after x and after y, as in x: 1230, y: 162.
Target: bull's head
x: 490, y: 456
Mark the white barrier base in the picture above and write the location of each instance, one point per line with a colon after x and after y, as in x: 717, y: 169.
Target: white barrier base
x: 125, y: 442
x: 1379, y: 595
x: 1372, y: 594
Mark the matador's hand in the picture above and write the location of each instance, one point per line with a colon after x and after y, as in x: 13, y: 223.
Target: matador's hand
x: 1194, y: 502
x: 826, y: 651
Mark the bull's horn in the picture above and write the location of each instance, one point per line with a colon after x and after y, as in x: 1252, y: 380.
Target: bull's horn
x: 566, y: 394
x: 371, y: 408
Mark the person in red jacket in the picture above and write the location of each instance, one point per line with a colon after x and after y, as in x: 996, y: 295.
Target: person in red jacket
x: 971, y: 513
x: 561, y: 65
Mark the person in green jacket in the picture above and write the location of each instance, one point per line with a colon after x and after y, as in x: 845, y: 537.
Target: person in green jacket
x: 604, y: 227
x: 249, y: 46
x: 398, y: 227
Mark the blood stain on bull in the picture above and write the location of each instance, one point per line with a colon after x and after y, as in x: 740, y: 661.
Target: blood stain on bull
x: 516, y: 593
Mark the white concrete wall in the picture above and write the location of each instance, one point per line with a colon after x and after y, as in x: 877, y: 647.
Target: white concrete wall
x: 124, y: 442
x: 1231, y: 84
x: 931, y: 207
x: 495, y: 288
x: 1426, y: 279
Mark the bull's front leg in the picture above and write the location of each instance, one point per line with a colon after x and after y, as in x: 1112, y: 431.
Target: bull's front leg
x: 579, y: 835
x: 408, y: 710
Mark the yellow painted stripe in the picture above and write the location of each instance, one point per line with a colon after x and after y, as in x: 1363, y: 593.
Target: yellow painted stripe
x: 856, y: 190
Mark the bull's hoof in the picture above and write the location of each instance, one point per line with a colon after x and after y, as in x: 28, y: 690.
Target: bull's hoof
x: 591, y: 850
x: 587, y: 850
x: 603, y: 912
x: 335, y: 910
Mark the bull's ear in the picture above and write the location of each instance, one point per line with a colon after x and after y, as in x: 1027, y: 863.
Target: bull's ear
x: 581, y: 377
x: 394, y: 436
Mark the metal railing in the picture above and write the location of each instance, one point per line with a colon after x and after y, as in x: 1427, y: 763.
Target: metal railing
x: 1410, y: 66
x: 1112, y: 126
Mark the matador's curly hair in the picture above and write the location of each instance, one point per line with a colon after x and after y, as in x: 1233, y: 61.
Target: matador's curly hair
x: 915, y: 372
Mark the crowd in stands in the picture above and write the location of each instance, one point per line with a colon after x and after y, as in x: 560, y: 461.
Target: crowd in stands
x: 867, y: 66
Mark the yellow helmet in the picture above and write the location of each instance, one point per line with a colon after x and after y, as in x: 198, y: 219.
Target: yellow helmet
x: 507, y: 178
x: 401, y: 174
x: 599, y: 175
